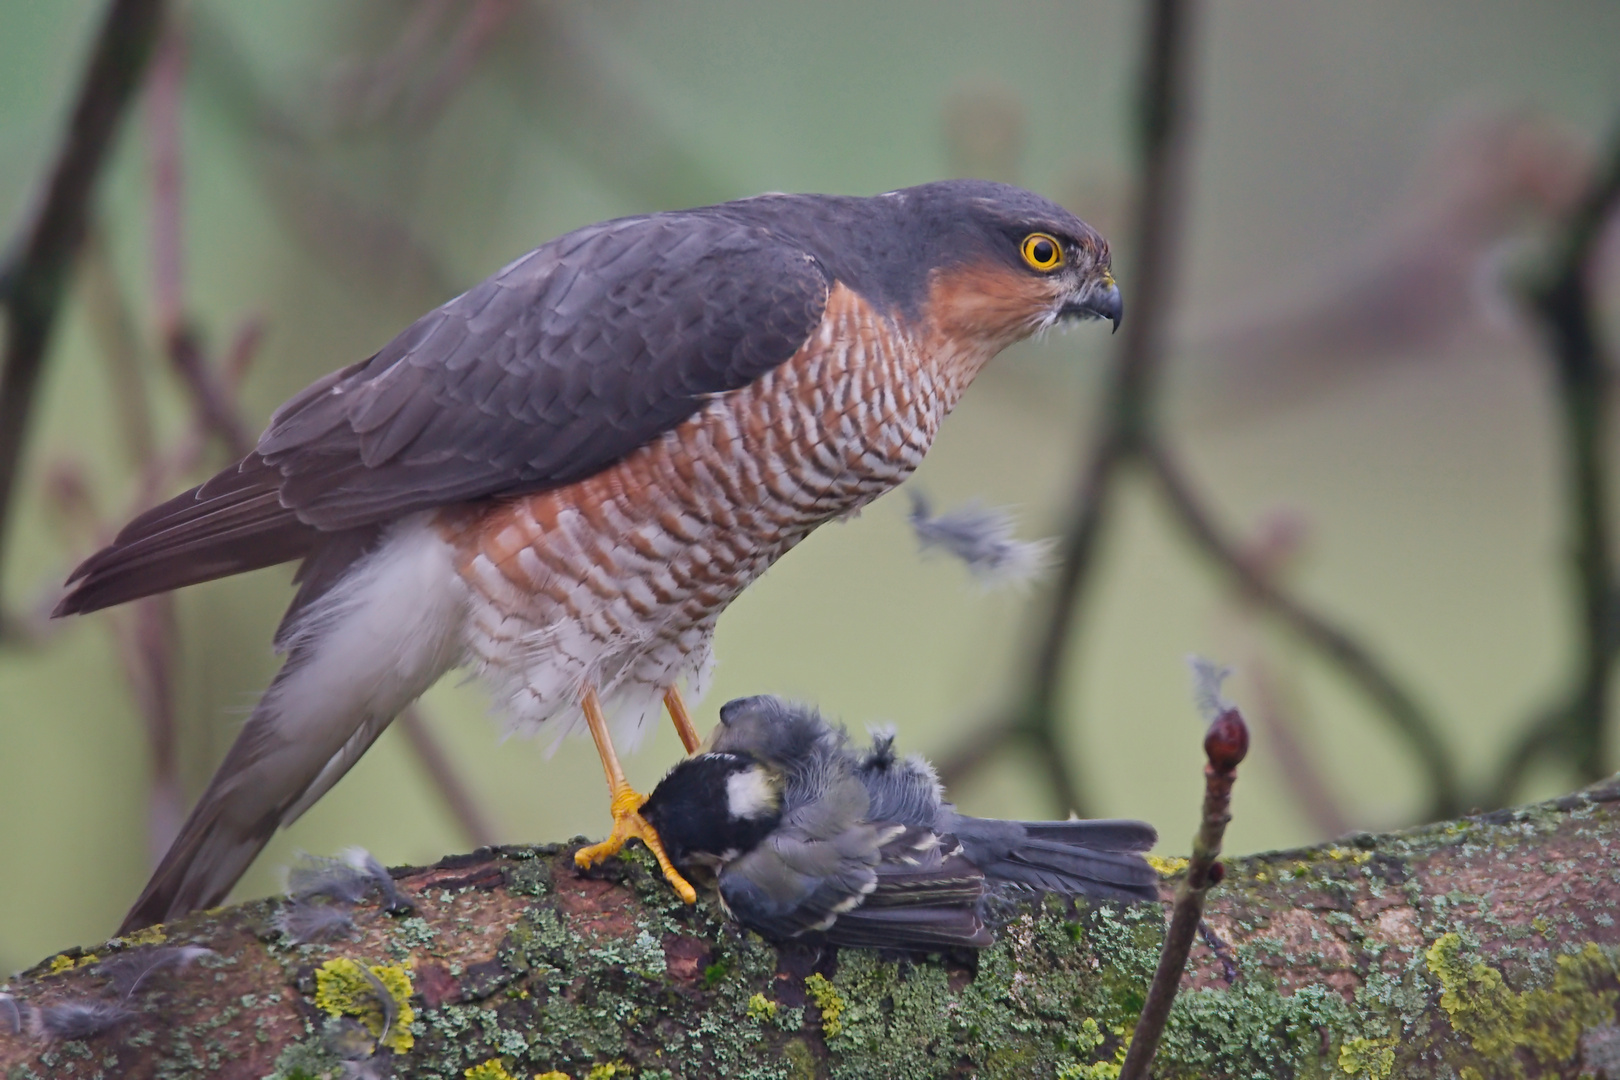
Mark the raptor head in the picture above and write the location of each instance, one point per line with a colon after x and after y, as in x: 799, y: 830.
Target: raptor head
x: 1007, y: 263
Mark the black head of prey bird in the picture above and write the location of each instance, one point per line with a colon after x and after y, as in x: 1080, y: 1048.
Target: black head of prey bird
x: 563, y: 476
x: 806, y: 836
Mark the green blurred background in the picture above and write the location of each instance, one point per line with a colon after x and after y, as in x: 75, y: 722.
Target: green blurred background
x: 1352, y: 379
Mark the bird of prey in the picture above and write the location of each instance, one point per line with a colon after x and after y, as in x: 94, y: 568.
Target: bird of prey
x: 563, y: 476
x: 807, y: 837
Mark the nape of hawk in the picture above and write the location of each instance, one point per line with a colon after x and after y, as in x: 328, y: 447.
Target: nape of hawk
x: 563, y: 476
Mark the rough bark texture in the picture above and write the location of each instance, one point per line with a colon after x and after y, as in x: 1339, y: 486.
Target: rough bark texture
x: 1484, y: 947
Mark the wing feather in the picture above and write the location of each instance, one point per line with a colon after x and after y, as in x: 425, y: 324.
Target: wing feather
x: 560, y: 364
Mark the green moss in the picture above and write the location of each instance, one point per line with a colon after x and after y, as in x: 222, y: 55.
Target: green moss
x: 800, y: 1061
x: 488, y: 1070
x: 715, y: 974
x: 1499, y: 1022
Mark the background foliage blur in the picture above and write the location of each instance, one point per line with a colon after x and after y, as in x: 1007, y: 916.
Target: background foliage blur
x: 1354, y: 385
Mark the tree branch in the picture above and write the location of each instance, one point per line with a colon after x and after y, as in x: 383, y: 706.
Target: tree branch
x: 1485, y: 944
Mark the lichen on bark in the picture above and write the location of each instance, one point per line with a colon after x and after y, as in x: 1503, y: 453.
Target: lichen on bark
x: 1480, y: 948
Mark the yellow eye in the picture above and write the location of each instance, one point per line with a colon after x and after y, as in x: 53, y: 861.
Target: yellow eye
x: 1041, y: 251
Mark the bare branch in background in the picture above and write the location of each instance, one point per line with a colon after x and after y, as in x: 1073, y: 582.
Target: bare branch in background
x: 571, y: 83
x: 470, y: 44
x: 1564, y: 304
x: 118, y: 340
x: 359, y: 239
x: 1355, y: 660
x: 1276, y: 546
x: 1163, y: 131
x: 435, y: 762
x: 34, y: 277
x: 1310, y: 786
x: 1431, y: 274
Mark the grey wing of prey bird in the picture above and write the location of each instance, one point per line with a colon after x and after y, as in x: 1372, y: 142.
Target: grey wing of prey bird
x: 806, y: 835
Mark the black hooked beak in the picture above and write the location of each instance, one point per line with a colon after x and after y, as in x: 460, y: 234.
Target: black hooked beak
x: 1101, y: 302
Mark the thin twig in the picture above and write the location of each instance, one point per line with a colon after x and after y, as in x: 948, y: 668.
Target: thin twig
x: 119, y: 341
x: 34, y: 279
x: 1569, y: 318
x: 1309, y: 785
x: 475, y: 826
x: 164, y: 98
x: 209, y: 395
x: 1164, y: 132
x: 1354, y: 659
x: 1225, y: 746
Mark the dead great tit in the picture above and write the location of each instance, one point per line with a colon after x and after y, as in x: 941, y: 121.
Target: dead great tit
x: 804, y: 835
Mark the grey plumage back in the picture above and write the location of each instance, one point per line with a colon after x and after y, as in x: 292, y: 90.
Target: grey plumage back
x: 810, y: 752
x: 1099, y: 858
x: 901, y: 789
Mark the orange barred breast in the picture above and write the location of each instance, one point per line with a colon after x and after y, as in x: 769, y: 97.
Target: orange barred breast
x: 616, y: 581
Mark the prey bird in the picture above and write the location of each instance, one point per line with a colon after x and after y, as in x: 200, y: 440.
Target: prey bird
x: 805, y: 836
x: 563, y: 476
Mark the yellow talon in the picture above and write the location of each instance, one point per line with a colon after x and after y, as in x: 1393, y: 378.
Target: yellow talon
x: 628, y: 824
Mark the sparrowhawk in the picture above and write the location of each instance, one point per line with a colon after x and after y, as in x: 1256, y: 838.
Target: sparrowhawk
x: 564, y: 475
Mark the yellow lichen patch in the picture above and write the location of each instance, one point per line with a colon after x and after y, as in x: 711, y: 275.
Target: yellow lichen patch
x: 1167, y: 865
x: 1372, y: 1058
x: 554, y: 1074
x: 494, y: 1070
x: 342, y: 989
x: 147, y: 935
x: 64, y: 962
x: 1349, y: 855
x: 761, y: 1008
x: 1498, y: 1021
x: 827, y: 999
x: 607, y: 1070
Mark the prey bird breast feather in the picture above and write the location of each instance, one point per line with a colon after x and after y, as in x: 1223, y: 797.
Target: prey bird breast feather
x: 563, y: 476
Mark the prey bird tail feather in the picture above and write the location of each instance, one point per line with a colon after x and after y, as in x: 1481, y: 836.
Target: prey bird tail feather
x: 366, y: 648
x: 1101, y: 859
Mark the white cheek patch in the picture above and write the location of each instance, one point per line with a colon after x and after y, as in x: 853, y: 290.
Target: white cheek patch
x: 750, y: 794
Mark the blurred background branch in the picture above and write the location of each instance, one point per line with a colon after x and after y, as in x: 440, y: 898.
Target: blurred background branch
x: 1565, y: 304
x: 39, y: 265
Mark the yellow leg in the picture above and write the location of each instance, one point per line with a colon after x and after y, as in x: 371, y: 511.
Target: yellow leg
x: 683, y: 720
x: 626, y: 807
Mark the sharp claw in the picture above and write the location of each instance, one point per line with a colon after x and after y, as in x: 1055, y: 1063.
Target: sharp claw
x: 629, y: 824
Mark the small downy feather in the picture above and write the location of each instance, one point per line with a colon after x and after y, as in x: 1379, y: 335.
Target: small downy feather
x: 78, y: 1019
x: 302, y: 921
x: 1208, y: 677
x: 12, y: 1015
x: 347, y: 879
x: 984, y: 540
x: 128, y: 972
